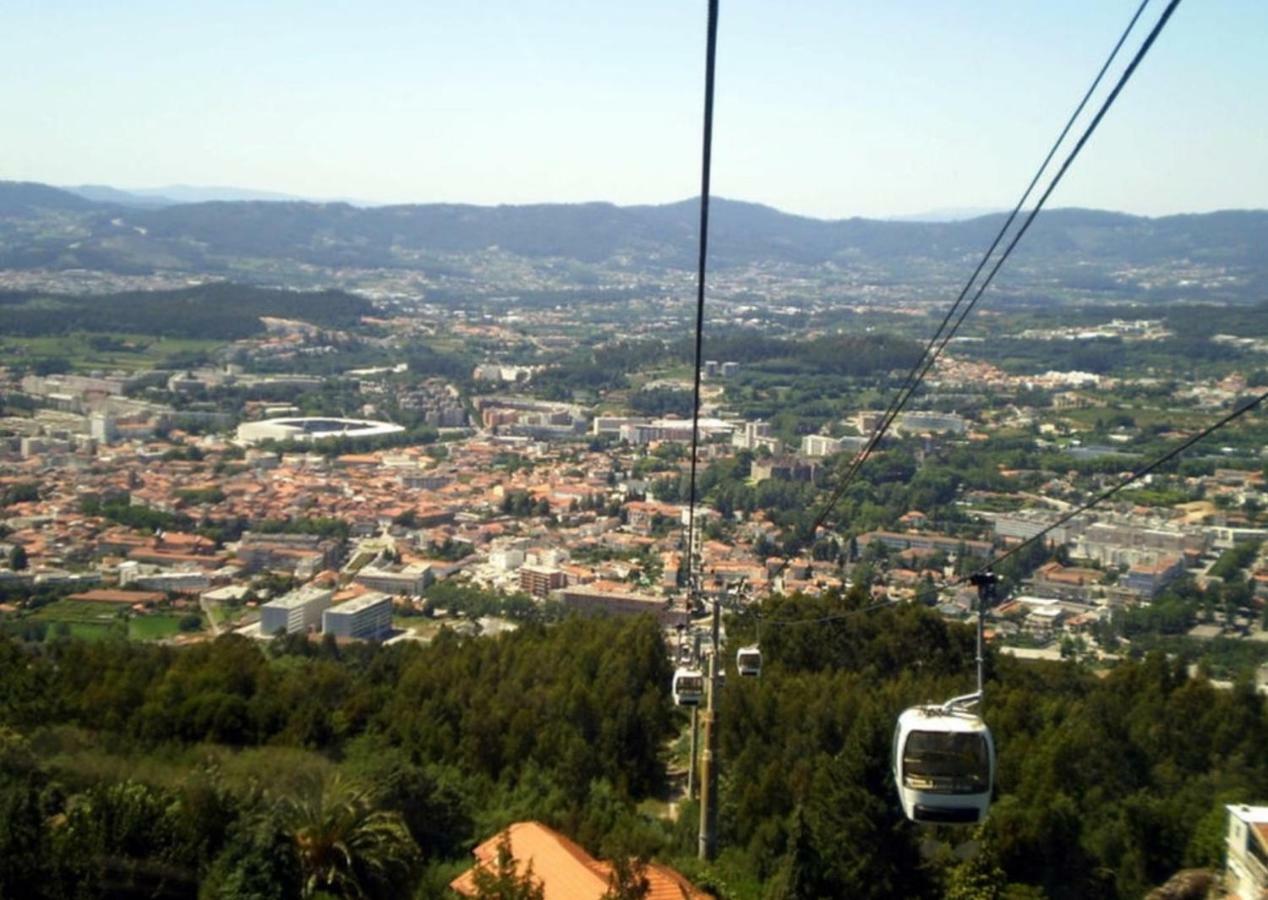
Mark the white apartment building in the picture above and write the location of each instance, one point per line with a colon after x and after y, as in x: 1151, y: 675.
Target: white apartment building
x: 397, y: 579
x: 368, y: 617
x: 296, y: 612
x: 1246, y: 870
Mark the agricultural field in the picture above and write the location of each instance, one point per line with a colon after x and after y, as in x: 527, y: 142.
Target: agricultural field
x: 154, y: 627
x: 85, y: 352
x: 96, y: 621
x: 1141, y: 417
x: 91, y: 621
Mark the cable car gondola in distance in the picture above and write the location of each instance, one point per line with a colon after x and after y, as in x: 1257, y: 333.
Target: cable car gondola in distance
x: 748, y: 661
x: 688, y: 686
x: 944, y: 765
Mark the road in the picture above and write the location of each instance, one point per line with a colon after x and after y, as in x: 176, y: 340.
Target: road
x: 206, y: 606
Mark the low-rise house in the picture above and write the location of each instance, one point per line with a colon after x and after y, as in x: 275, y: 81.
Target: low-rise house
x: 1147, y: 579
x: 175, y: 581
x: 127, y: 598
x: 303, y: 555
x: 903, y: 541
x: 1246, y: 868
x: 787, y: 468
x: 395, y: 578
x: 563, y: 869
x: 1065, y: 582
x: 175, y: 558
x: 643, y: 515
x: 606, y: 597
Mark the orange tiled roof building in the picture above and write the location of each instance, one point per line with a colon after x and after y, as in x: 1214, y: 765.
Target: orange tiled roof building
x: 564, y: 870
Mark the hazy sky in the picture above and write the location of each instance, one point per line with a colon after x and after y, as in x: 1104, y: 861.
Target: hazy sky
x: 830, y: 108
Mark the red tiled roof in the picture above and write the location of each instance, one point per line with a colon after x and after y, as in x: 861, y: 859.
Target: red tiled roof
x: 103, y: 595
x: 565, y: 870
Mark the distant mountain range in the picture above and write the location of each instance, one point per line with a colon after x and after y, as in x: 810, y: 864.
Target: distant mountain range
x: 188, y: 193
x: 947, y: 214
x: 184, y: 193
x: 96, y: 228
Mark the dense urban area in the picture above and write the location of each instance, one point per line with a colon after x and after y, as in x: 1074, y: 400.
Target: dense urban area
x: 398, y: 540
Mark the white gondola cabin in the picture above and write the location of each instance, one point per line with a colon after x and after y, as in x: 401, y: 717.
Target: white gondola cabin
x: 944, y: 765
x: 688, y: 687
x: 748, y: 661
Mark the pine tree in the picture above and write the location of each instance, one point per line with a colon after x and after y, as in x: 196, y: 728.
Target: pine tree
x: 628, y: 880
x: 979, y: 877
x: 795, y: 879
x: 503, y: 881
x: 866, y: 847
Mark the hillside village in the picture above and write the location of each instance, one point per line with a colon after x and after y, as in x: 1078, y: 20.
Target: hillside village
x: 124, y: 506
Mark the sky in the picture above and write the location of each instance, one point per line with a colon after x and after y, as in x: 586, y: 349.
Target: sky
x: 827, y: 108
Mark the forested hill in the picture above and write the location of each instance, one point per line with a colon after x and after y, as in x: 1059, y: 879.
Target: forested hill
x: 216, y: 311
x: 129, y: 770
x: 42, y: 226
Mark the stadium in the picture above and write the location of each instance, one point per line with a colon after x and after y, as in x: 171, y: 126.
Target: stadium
x: 313, y: 428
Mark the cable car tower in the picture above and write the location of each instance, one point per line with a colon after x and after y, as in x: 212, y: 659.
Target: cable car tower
x: 689, y: 677
x: 944, y: 756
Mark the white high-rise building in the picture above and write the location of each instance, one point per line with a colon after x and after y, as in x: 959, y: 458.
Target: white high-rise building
x: 1246, y: 874
x: 368, y: 617
x: 295, y: 612
x: 102, y: 428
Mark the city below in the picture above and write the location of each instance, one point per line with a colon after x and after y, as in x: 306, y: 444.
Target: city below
x: 294, y: 504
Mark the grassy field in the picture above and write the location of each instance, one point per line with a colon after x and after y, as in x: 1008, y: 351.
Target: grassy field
x: 96, y: 351
x: 153, y: 627
x: 78, y: 612
x: 94, y: 621
x: 1144, y: 417
x: 90, y: 621
x: 90, y: 632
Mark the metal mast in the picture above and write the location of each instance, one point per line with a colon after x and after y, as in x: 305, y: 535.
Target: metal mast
x: 708, y: 762
x: 708, y: 841
x: 985, y: 583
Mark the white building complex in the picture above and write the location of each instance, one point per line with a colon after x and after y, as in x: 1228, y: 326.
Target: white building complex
x: 754, y: 435
x: 671, y: 430
x: 923, y: 420
x: 312, y: 428
x: 296, y: 612
x: 822, y: 445
x: 1246, y: 875
x: 397, y: 579
x: 368, y: 617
